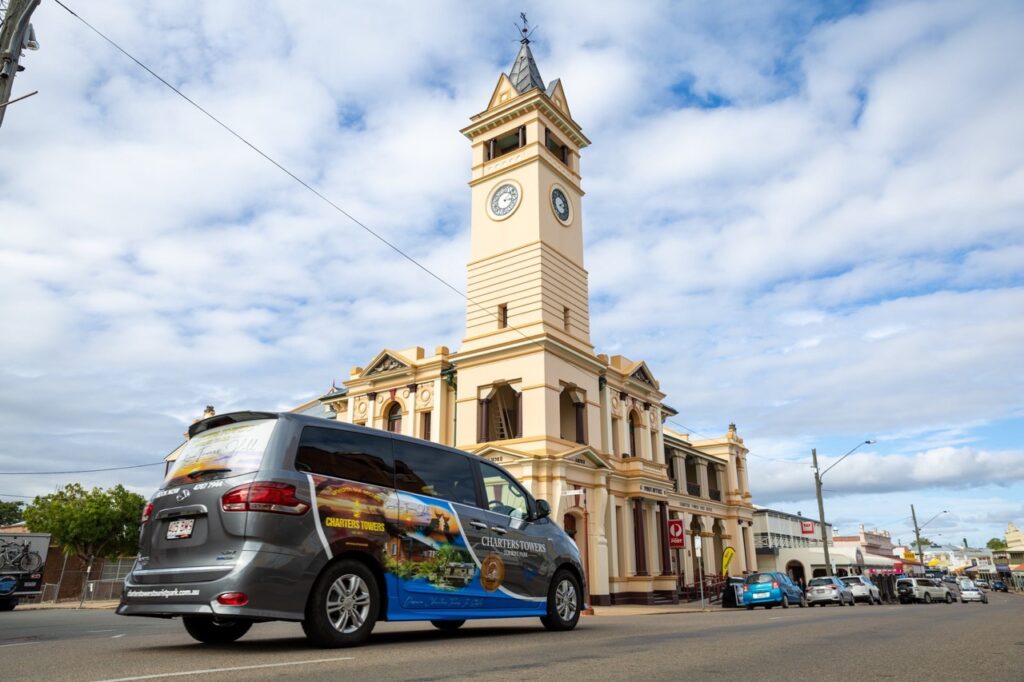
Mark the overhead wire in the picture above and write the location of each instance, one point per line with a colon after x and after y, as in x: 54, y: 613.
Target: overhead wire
x: 78, y: 471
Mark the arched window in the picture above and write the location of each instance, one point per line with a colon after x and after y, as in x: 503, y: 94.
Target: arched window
x: 500, y: 416
x: 571, y: 416
x: 394, y: 418
x: 634, y: 422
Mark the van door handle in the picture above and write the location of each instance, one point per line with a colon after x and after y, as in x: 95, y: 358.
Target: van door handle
x: 499, y: 530
x: 478, y: 524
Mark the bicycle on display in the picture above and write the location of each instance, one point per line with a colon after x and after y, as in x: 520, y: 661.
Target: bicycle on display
x: 20, y: 555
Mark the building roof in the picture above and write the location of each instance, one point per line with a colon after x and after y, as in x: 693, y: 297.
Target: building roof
x: 524, y: 73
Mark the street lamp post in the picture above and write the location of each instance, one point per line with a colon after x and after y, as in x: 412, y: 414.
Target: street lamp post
x: 821, y: 504
x: 917, y: 531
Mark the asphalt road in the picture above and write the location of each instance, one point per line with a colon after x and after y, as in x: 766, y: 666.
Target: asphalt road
x: 934, y: 642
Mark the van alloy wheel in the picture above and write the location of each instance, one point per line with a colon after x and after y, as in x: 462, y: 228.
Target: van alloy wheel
x: 343, y: 605
x: 564, y: 602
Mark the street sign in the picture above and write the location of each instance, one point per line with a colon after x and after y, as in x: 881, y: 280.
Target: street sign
x: 676, y: 536
x: 807, y: 527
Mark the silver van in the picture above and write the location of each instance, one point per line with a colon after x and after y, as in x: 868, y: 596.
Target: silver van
x: 268, y: 516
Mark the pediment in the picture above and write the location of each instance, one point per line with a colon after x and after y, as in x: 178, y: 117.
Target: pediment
x: 585, y: 456
x: 643, y: 375
x: 386, y: 362
x: 556, y: 94
x: 504, y: 92
x: 499, y: 455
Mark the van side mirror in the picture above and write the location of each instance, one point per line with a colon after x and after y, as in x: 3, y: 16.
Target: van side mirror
x: 543, y: 509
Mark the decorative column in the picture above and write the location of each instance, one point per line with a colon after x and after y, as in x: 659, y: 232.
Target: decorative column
x: 666, y: 558
x: 720, y: 479
x: 741, y: 465
x: 702, y: 476
x: 639, y: 544
x: 707, y: 552
x: 597, y: 543
x: 679, y: 466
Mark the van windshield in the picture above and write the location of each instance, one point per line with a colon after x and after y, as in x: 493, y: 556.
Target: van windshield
x: 228, y: 451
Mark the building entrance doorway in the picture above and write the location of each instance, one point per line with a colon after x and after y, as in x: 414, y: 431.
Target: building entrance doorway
x: 795, y: 569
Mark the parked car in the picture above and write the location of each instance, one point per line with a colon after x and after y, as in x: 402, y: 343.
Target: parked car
x: 999, y: 586
x: 927, y: 590
x: 772, y: 589
x: 829, y: 591
x: 981, y: 582
x: 971, y: 592
x: 951, y: 579
x: 863, y: 589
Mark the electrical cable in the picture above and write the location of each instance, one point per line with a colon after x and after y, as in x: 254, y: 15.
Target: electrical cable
x: 79, y: 471
x: 292, y: 175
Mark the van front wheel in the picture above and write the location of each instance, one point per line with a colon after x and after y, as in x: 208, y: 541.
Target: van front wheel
x: 343, y: 606
x: 564, y: 602
x: 215, y: 630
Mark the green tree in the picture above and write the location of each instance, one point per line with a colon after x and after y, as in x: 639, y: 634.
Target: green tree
x: 996, y: 543
x: 10, y: 512
x: 925, y: 542
x: 86, y: 523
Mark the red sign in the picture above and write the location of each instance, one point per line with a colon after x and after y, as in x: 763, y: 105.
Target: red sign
x: 675, y: 534
x: 807, y: 527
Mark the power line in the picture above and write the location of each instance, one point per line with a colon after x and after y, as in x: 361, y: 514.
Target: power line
x: 79, y: 471
x: 27, y: 497
x: 292, y: 175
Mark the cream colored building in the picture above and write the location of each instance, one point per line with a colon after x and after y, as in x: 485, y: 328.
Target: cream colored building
x: 526, y: 389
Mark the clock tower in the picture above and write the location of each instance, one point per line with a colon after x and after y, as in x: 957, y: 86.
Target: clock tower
x: 527, y: 374
x: 526, y: 274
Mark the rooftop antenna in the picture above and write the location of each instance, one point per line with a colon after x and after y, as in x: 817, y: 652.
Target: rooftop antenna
x: 524, y: 31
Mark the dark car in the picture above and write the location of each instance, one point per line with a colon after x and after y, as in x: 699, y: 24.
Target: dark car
x: 999, y: 586
x: 772, y: 589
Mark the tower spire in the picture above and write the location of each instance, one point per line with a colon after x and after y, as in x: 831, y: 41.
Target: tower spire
x: 524, y: 73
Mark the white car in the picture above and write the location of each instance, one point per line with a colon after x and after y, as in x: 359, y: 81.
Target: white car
x: 969, y: 591
x: 925, y: 590
x: 863, y: 589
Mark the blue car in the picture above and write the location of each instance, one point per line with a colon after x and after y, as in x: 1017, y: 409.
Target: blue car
x: 772, y: 589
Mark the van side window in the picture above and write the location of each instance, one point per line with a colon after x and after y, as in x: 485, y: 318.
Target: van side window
x: 503, y: 494
x: 426, y: 470
x: 344, y: 454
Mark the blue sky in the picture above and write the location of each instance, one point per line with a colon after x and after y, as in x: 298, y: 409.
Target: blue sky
x: 805, y: 217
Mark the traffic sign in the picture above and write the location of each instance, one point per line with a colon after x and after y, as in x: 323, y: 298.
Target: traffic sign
x: 676, y: 535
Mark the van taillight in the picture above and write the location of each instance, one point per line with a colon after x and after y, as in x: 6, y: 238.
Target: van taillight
x: 277, y: 498
x: 147, y: 512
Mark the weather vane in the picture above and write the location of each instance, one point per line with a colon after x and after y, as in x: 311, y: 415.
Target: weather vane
x: 524, y: 31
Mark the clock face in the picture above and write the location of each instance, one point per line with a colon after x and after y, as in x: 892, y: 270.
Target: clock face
x: 504, y: 200
x: 560, y: 204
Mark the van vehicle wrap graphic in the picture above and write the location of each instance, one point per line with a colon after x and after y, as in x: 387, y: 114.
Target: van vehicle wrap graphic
x: 432, y: 558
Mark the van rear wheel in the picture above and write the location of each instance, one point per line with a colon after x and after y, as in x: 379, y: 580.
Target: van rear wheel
x: 215, y: 630
x: 564, y: 602
x: 343, y: 606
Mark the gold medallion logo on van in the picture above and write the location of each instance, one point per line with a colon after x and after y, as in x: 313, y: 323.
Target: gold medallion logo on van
x: 492, y: 572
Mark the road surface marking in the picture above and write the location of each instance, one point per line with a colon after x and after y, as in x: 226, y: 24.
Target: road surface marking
x: 116, y: 636
x: 776, y: 618
x: 225, y: 670
x: 107, y: 630
x: 19, y: 644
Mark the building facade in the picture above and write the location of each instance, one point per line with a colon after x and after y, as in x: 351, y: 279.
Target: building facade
x: 526, y: 388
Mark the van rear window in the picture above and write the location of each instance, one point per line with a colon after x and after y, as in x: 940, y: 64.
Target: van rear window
x: 227, y: 451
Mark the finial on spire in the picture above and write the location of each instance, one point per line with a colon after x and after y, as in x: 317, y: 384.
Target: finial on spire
x: 524, y: 31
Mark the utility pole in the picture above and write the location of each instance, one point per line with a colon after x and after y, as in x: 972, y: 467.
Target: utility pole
x: 821, y: 512
x: 15, y: 35
x: 917, y: 532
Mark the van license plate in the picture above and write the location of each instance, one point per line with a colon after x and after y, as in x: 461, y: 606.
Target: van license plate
x: 180, y: 529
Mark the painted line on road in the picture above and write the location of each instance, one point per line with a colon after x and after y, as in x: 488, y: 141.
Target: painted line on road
x: 116, y: 636
x: 776, y: 618
x: 208, y: 671
x: 19, y: 644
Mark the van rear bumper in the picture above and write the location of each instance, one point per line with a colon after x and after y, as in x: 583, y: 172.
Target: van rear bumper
x: 275, y: 584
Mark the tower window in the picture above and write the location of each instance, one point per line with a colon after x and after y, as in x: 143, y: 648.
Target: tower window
x: 506, y: 143
x: 556, y: 147
x: 502, y: 316
x: 565, y: 318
